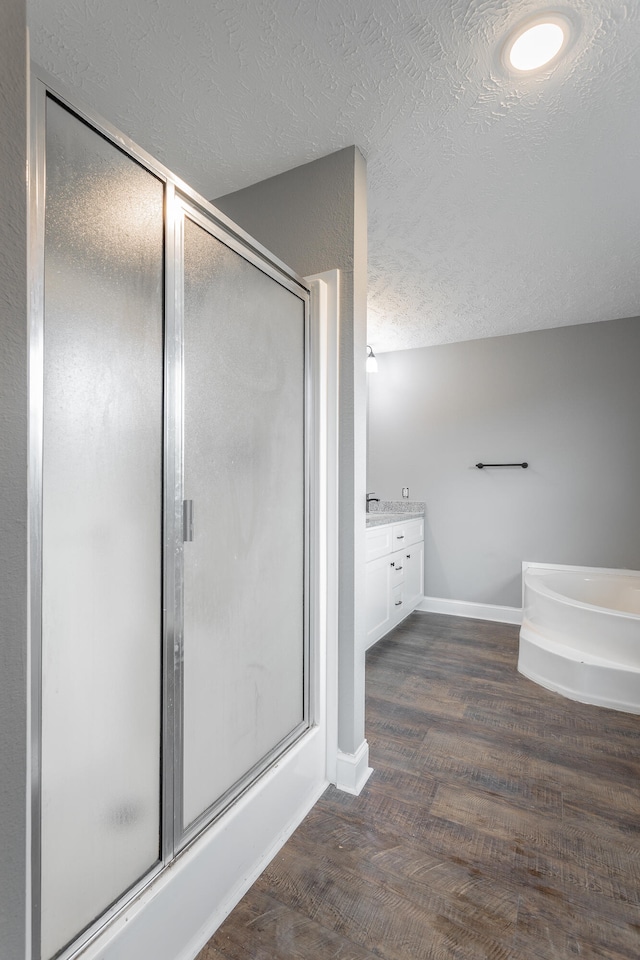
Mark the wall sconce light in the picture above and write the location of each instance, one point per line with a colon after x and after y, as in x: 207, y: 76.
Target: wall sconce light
x: 372, y: 363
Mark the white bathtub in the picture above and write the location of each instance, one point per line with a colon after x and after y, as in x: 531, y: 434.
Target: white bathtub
x: 580, y: 633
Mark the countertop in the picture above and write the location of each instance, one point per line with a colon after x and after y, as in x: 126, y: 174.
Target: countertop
x: 379, y: 519
x: 394, y: 511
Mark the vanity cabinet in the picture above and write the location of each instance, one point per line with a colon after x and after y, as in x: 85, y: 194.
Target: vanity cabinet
x: 394, y: 575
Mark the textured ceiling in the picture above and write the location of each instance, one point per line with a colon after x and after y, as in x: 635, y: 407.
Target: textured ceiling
x: 496, y: 204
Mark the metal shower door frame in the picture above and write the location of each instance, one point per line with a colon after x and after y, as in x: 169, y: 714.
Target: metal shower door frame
x: 180, y: 200
x: 184, y: 208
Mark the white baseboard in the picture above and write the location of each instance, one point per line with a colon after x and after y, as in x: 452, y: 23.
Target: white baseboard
x: 353, y: 770
x: 476, y: 611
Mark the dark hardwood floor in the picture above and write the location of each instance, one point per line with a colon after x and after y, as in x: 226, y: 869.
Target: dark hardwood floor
x: 501, y: 822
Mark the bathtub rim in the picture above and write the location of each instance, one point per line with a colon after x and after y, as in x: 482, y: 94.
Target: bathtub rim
x: 571, y: 601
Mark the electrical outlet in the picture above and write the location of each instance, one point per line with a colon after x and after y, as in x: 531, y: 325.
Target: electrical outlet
x: 405, y: 493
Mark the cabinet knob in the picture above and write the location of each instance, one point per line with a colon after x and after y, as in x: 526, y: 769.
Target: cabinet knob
x: 408, y: 556
x: 392, y: 563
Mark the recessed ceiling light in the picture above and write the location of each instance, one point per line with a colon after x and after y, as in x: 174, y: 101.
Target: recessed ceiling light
x: 537, y: 42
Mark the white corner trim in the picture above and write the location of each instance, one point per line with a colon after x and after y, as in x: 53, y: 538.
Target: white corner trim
x: 325, y: 293
x: 476, y: 611
x: 353, y: 770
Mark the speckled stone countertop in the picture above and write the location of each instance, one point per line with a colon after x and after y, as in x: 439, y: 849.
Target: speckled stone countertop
x: 394, y: 511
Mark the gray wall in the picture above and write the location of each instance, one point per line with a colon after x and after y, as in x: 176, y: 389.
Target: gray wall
x: 567, y: 400
x: 13, y: 470
x: 314, y: 217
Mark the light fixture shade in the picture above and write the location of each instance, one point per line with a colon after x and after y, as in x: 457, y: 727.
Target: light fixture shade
x: 536, y: 46
x: 372, y: 363
x: 537, y: 42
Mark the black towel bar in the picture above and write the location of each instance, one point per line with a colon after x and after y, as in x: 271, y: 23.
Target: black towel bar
x: 481, y: 466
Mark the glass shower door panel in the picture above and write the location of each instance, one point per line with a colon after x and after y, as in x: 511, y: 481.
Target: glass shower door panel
x: 244, y: 472
x: 102, y: 488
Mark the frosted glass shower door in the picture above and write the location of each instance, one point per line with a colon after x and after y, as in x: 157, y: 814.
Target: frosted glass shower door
x: 101, y: 527
x: 244, y: 472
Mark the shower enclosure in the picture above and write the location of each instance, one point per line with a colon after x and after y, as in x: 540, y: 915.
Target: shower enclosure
x: 170, y: 412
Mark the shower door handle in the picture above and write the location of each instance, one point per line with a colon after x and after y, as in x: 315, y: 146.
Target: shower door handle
x: 187, y: 521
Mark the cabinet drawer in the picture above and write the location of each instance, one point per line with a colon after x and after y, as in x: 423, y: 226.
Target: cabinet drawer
x: 404, y: 534
x: 379, y: 542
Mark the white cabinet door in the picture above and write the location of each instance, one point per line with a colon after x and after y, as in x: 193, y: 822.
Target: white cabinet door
x: 413, y: 564
x: 378, y: 599
x: 396, y: 562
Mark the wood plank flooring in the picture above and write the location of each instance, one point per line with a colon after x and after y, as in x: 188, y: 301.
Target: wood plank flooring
x: 502, y: 822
